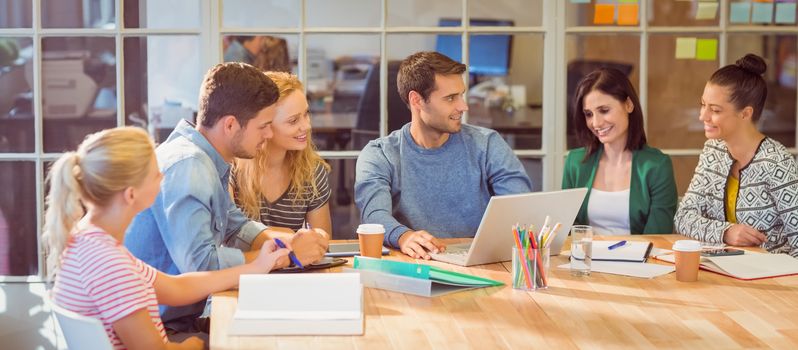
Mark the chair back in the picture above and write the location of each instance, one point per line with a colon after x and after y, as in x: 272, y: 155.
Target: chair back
x: 81, y: 332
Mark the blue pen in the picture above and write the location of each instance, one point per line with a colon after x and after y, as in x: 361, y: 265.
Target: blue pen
x: 616, y: 245
x: 291, y: 255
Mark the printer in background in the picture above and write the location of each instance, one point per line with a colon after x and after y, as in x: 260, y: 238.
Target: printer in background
x: 68, y: 91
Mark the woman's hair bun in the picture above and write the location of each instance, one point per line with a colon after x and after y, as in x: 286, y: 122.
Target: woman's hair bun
x: 753, y: 64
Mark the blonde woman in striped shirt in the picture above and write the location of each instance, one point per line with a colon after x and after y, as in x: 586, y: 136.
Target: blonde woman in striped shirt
x: 287, y: 183
x: 114, y: 176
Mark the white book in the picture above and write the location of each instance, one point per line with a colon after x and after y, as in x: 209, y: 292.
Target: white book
x: 748, y: 266
x: 299, y: 304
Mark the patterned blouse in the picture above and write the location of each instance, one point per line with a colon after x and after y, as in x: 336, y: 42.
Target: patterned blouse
x: 767, y: 199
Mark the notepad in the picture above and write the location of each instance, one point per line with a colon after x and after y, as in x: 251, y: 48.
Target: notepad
x: 292, y: 304
x: 417, y: 279
x: 749, y: 266
x: 632, y: 251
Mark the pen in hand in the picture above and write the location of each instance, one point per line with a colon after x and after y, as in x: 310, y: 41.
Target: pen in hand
x: 291, y: 255
x: 616, y: 245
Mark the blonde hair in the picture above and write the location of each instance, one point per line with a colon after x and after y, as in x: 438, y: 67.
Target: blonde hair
x: 105, y: 163
x: 301, y: 164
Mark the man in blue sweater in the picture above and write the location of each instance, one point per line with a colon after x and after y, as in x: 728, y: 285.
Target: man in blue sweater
x: 433, y: 178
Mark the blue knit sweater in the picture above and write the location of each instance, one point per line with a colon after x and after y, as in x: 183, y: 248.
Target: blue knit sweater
x: 443, y: 190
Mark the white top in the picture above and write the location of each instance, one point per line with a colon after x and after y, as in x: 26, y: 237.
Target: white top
x: 608, y: 212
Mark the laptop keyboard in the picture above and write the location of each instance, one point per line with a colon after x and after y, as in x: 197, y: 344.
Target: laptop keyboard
x: 456, y: 251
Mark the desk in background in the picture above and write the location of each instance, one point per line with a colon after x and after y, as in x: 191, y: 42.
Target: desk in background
x: 600, y: 311
x: 334, y: 129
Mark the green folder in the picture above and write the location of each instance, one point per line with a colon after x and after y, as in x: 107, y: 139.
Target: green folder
x: 423, y: 272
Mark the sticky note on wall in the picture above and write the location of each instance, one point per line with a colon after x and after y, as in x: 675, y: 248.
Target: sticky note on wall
x: 740, y: 12
x: 706, y: 10
x: 706, y: 49
x: 762, y: 12
x: 628, y: 14
x: 604, y: 14
x: 785, y: 13
x: 685, y: 48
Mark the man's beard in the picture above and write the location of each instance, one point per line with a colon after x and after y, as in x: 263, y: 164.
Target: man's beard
x: 236, y: 147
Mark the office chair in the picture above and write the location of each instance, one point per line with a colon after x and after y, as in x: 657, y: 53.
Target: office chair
x: 367, y: 127
x: 81, y: 332
x: 577, y: 70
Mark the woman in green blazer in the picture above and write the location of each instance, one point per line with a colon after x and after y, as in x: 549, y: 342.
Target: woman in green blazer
x: 630, y: 185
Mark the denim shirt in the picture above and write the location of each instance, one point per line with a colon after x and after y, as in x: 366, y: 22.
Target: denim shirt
x: 193, y: 224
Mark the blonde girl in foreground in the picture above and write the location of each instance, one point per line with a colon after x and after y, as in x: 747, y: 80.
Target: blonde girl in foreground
x: 114, y: 175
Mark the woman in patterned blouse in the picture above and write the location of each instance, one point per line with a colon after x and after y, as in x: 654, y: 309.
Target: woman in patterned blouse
x: 287, y: 183
x: 745, y: 188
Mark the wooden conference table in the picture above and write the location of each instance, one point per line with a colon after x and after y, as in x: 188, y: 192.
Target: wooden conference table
x: 599, y: 311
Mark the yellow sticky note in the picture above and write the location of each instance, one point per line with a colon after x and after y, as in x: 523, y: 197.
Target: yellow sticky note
x: 627, y: 14
x: 706, y: 10
x: 604, y: 14
x: 706, y: 49
x: 685, y: 48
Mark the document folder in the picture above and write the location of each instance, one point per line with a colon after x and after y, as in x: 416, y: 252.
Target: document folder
x: 416, y: 279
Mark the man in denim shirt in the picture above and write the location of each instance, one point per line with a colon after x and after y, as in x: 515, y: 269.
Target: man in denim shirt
x: 193, y: 224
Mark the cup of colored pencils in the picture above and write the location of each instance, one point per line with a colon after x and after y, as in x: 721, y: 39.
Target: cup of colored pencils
x: 531, y: 256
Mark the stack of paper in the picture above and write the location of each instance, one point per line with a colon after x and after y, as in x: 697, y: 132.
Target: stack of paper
x: 299, y: 304
x: 631, y: 269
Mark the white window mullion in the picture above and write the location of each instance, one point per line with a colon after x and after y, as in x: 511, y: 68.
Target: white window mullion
x: 120, y: 64
x: 555, y: 116
x: 642, y: 92
x: 38, y: 135
x: 384, y: 71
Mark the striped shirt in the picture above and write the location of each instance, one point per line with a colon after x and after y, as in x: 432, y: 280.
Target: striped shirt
x: 99, y: 278
x: 290, y: 213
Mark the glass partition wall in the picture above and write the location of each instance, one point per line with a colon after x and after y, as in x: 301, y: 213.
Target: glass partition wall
x: 72, y: 67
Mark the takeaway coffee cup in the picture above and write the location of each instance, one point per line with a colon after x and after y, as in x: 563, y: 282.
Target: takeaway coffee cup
x: 688, y: 255
x: 370, y: 237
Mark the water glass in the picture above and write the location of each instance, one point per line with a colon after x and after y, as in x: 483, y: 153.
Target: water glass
x: 581, y: 249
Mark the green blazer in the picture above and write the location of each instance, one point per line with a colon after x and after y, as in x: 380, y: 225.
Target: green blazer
x: 652, y: 192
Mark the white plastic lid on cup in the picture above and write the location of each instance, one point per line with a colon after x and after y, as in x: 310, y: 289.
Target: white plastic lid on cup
x: 367, y: 229
x: 687, y: 245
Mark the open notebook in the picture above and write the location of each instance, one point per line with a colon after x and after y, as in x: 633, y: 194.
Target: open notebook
x: 749, y: 266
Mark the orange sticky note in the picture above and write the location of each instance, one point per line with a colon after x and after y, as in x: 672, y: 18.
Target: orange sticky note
x: 627, y: 14
x: 604, y: 14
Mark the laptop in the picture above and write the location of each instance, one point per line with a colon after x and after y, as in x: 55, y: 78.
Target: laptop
x: 494, y: 238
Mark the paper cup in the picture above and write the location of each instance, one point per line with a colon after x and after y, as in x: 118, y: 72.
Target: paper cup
x: 370, y: 237
x: 688, y: 256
